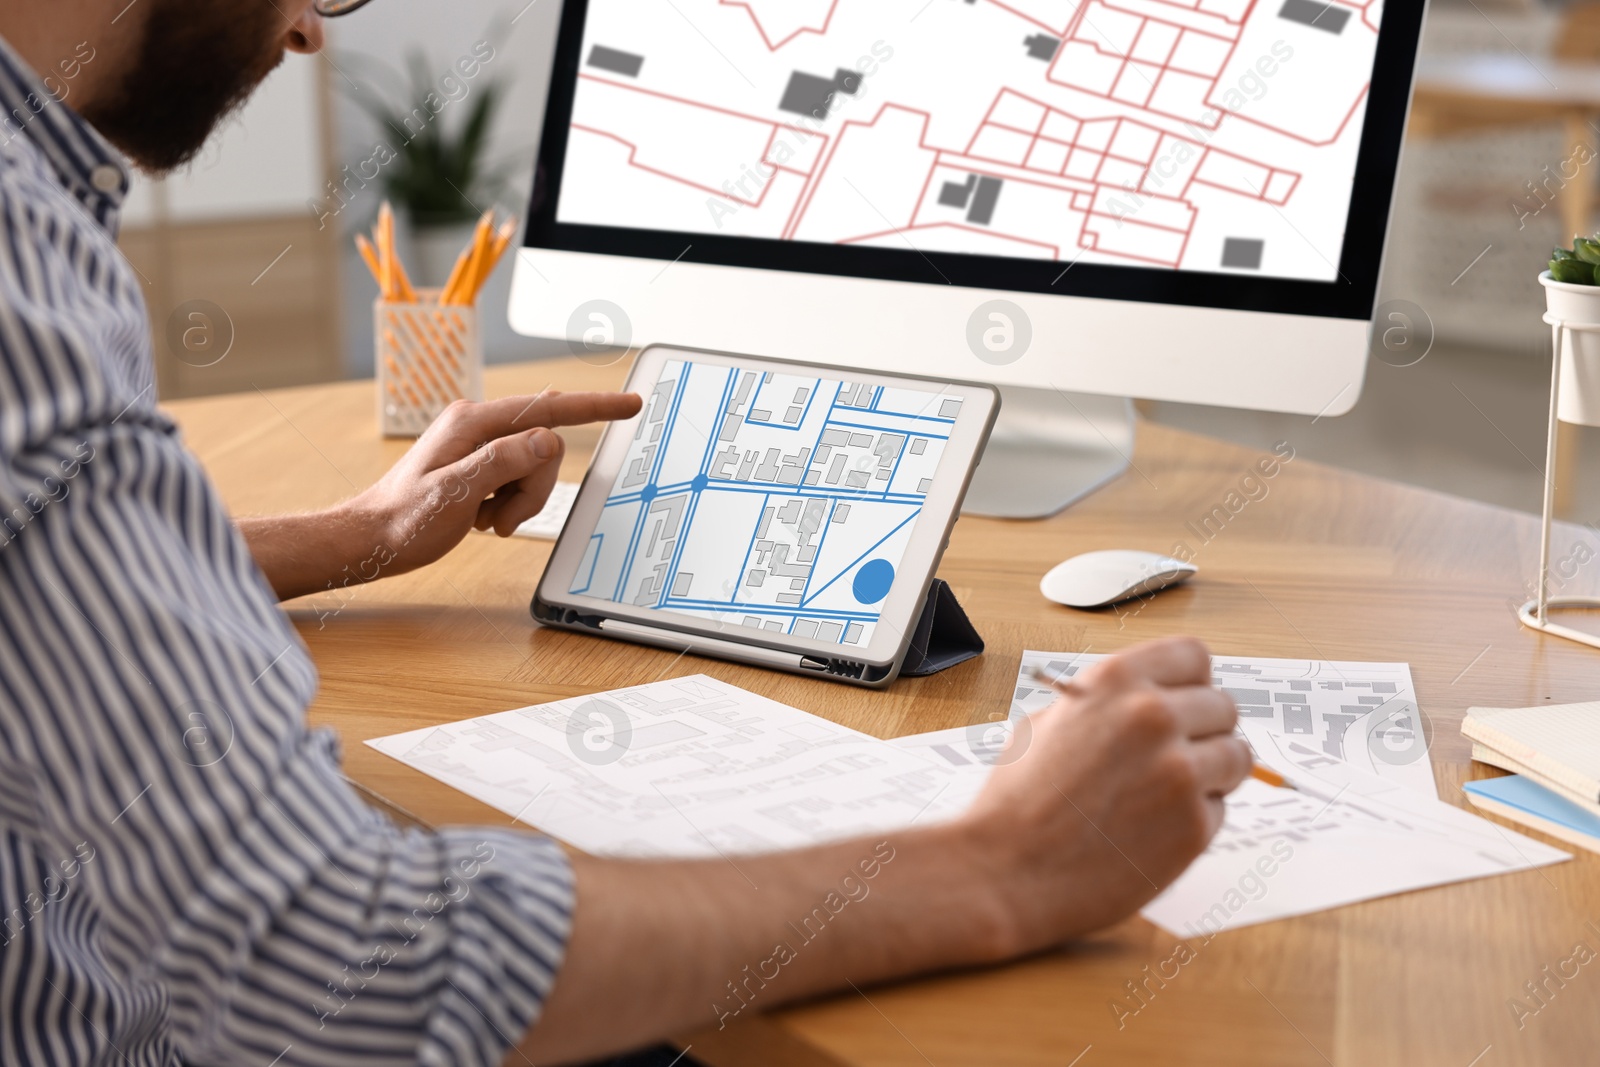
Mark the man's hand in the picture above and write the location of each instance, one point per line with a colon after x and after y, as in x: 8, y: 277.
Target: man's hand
x: 1119, y: 788
x: 1109, y: 794
x: 484, y: 465
x: 479, y: 466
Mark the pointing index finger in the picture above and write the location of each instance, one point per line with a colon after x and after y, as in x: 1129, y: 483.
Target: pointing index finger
x: 573, y: 409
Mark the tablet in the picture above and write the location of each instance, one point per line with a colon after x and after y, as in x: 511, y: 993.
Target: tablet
x: 784, y: 514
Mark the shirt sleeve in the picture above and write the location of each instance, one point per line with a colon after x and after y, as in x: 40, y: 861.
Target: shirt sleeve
x: 231, y: 900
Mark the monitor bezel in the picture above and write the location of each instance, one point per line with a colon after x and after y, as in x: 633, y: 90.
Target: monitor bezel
x: 1349, y: 296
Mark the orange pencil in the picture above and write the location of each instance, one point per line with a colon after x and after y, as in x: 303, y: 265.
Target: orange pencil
x: 399, y: 278
x: 491, y: 259
x: 456, y: 274
x: 481, y: 240
x: 385, y: 261
x: 502, y: 240
x: 462, y: 294
x: 370, y: 256
x: 1266, y: 774
x: 386, y: 238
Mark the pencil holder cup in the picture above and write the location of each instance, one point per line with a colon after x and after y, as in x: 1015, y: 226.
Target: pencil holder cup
x: 428, y: 354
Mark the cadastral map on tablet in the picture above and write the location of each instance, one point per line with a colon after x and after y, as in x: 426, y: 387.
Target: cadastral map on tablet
x: 780, y: 502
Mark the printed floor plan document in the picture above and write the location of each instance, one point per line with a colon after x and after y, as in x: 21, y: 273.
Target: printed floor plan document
x: 695, y: 767
x: 686, y: 767
x: 1365, y: 822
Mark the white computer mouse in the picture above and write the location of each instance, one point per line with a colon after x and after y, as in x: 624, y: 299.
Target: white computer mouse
x: 1096, y: 579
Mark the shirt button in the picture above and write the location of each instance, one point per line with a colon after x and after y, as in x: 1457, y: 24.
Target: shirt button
x: 106, y: 178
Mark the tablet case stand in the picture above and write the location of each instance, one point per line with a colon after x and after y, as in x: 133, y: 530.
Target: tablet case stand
x: 943, y: 637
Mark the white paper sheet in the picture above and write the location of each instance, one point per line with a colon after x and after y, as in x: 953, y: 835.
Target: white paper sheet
x: 687, y: 767
x: 1357, y: 837
x: 1363, y: 715
x: 1357, y: 829
x: 696, y: 767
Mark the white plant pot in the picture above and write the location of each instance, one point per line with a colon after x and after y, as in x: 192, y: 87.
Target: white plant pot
x: 1580, y: 366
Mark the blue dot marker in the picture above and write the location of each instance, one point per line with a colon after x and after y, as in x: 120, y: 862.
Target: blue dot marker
x: 648, y: 493
x: 700, y: 482
x: 873, y: 580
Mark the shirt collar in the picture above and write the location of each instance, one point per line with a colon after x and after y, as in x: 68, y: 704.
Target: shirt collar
x: 89, y: 168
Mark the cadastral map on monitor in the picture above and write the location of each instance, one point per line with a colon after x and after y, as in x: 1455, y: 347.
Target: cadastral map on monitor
x: 1203, y: 135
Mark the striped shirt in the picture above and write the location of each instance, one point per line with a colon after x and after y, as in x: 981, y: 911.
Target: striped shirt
x: 184, y: 876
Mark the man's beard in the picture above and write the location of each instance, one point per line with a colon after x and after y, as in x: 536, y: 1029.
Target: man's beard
x: 200, y: 59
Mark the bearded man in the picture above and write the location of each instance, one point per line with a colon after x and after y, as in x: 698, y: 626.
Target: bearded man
x: 157, y: 908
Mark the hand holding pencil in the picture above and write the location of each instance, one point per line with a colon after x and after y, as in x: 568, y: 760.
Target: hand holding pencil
x: 1120, y: 786
x: 1259, y: 771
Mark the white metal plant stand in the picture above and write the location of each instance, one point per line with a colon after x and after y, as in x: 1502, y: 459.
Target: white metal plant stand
x: 1536, y: 612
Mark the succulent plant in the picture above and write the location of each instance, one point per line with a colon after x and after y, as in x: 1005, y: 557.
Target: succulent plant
x: 1577, y: 264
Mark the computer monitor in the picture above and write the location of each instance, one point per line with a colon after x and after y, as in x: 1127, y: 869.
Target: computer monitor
x: 1079, y: 200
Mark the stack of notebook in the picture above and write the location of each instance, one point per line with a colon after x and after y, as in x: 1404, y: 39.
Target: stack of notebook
x: 1554, y: 755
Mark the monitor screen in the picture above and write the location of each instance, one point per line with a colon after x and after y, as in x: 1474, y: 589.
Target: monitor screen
x: 808, y: 486
x: 1232, y: 151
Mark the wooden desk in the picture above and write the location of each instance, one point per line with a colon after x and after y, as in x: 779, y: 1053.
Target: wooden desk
x: 1327, y: 565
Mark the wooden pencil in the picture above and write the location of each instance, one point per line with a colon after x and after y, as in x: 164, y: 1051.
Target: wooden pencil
x: 1260, y: 772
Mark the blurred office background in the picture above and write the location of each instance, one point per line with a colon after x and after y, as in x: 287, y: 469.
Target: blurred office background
x: 260, y: 228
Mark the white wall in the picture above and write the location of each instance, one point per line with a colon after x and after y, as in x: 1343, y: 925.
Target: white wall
x: 264, y: 161
x: 384, y: 32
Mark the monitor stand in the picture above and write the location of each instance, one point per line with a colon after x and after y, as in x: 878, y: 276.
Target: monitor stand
x: 1050, y: 448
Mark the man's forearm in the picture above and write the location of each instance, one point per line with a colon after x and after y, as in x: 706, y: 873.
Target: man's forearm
x: 672, y: 947
x: 312, y: 553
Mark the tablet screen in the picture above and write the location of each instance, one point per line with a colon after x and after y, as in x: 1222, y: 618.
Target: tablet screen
x: 775, y: 501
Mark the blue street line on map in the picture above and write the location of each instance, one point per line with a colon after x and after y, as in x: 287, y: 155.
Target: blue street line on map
x: 893, y: 429
x: 594, y: 562
x: 754, y: 530
x: 905, y: 446
x: 637, y: 495
x: 672, y: 419
x: 844, y: 495
x: 816, y: 561
x: 861, y: 557
x: 628, y: 556
x: 847, y: 496
x: 677, y: 547
x: 715, y: 434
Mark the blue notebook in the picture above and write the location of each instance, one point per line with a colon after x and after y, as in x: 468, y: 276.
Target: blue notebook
x: 1531, y: 804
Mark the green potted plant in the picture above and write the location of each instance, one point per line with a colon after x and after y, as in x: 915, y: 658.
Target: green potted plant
x: 438, y: 174
x: 1572, y: 297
